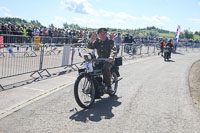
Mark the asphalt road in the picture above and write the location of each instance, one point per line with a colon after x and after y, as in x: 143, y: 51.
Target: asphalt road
x: 153, y: 97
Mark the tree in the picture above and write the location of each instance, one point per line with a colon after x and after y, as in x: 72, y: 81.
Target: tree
x: 187, y: 34
x: 51, y: 26
x: 36, y: 23
x: 19, y: 21
x: 197, y: 33
x: 65, y: 25
x: 74, y: 26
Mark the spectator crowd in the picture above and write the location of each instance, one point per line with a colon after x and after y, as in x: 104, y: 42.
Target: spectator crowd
x: 72, y: 35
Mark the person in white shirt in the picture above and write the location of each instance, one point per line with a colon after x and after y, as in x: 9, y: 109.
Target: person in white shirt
x: 118, y: 41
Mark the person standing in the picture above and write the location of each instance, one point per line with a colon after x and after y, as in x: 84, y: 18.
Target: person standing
x: 30, y: 34
x: 175, y: 45
x: 118, y: 41
x: 162, y: 45
x: 24, y: 30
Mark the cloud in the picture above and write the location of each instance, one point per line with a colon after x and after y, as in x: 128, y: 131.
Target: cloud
x: 122, y: 17
x: 155, y: 18
x: 125, y: 16
x: 103, y: 18
x: 5, y: 12
x: 4, y: 9
x: 198, y: 3
x: 96, y: 22
x: 78, y: 6
x: 120, y: 21
x: 106, y: 13
x: 86, y: 21
x: 195, y: 20
x: 58, y: 21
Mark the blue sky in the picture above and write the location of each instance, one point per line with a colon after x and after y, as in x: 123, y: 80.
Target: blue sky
x: 131, y: 14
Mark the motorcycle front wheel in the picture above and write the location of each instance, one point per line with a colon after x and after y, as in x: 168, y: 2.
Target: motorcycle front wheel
x: 84, y: 91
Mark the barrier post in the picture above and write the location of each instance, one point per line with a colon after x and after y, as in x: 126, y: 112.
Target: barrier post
x: 41, y: 62
x: 148, y: 50
x: 2, y: 87
x: 193, y: 47
x: 122, y: 50
x: 72, y: 49
x: 41, y: 57
x: 72, y: 57
x: 140, y: 49
x: 186, y: 47
x: 154, y: 50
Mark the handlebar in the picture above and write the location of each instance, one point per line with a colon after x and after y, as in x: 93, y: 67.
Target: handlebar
x: 101, y: 59
x: 98, y: 60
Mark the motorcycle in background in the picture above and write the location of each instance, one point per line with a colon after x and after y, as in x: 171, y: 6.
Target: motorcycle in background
x: 166, y: 53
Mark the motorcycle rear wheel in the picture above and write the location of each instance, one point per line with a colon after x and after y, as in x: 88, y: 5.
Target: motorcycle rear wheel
x: 114, y: 83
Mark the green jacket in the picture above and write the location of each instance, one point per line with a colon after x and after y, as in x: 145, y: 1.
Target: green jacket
x: 104, y: 49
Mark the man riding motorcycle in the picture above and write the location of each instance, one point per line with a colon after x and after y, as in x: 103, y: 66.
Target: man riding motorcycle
x: 170, y: 45
x: 105, y: 49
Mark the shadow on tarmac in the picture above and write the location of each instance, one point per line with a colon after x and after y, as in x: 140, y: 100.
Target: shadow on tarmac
x: 178, y: 53
x: 169, y: 61
x: 32, y: 80
x: 101, y: 109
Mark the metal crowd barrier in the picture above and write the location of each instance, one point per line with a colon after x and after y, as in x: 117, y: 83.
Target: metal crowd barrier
x: 132, y: 49
x: 15, y: 39
x: 17, y: 59
x: 57, y: 40
x: 185, y: 46
x: 42, y: 39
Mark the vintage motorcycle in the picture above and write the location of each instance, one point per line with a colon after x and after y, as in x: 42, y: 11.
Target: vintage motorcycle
x: 166, y: 53
x: 89, y: 85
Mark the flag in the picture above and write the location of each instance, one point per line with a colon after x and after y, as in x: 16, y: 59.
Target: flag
x: 10, y: 51
x: 178, y: 31
x: 1, y: 39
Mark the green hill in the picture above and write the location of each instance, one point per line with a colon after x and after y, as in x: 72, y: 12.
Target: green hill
x: 167, y: 35
x: 21, y: 22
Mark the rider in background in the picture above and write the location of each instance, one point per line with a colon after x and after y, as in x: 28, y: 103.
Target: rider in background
x: 128, y: 41
x: 105, y: 48
x: 170, y: 45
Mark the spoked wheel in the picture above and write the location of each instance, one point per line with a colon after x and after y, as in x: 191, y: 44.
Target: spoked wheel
x: 165, y: 56
x: 114, y: 83
x: 134, y: 50
x: 84, y: 91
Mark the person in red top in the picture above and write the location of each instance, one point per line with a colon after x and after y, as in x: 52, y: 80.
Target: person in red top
x: 162, y: 45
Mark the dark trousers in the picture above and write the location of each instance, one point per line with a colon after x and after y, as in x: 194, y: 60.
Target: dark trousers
x: 106, y: 69
x: 118, y: 48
